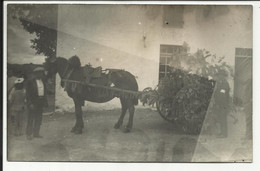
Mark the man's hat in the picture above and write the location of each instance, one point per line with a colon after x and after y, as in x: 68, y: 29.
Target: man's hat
x: 38, y: 69
x: 18, y: 80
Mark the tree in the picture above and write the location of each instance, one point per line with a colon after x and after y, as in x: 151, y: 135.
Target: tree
x: 40, y: 20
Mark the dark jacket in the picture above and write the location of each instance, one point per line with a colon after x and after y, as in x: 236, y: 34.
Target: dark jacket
x: 222, y: 93
x: 32, y: 94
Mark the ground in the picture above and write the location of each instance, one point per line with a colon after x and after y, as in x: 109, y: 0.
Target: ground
x: 152, y: 140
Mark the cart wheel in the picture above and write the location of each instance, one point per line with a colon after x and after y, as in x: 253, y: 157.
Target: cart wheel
x: 165, y: 112
x: 187, y: 127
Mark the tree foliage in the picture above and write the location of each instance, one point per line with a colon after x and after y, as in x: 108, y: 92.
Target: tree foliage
x: 203, y: 63
x: 39, y: 20
x: 184, y: 95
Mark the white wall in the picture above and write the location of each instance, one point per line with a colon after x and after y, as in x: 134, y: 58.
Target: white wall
x: 115, y: 34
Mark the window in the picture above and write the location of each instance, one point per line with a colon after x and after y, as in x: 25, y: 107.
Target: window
x: 169, y: 58
x: 173, y: 16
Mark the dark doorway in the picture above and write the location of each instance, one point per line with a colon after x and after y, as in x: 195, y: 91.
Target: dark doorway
x: 243, y: 75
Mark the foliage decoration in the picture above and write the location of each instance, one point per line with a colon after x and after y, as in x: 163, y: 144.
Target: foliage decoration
x: 184, y: 95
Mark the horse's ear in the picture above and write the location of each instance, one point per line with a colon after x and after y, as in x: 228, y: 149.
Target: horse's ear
x: 51, y: 59
x: 74, y: 62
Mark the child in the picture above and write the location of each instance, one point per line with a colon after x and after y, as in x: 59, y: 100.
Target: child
x: 17, y: 102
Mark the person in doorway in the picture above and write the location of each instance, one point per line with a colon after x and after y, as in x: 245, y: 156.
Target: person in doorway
x: 17, y: 105
x: 36, y: 100
x: 222, y: 103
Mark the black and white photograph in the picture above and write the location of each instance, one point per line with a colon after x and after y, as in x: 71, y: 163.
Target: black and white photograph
x: 124, y: 83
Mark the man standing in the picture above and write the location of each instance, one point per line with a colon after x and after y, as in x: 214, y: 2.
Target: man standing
x: 36, y: 100
x: 222, y: 103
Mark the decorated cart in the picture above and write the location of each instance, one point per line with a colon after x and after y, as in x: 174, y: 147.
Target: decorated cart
x: 182, y: 99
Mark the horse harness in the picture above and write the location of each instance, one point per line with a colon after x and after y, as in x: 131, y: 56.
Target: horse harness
x: 75, y: 86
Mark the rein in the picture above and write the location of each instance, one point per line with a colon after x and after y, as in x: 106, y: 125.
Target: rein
x: 66, y: 70
x: 65, y: 75
x: 72, y: 81
x: 121, y: 92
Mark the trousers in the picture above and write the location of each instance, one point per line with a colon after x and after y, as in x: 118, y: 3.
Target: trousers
x: 34, y: 121
x: 18, y: 122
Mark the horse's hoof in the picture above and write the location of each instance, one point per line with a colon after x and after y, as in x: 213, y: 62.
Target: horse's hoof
x: 78, y: 131
x: 127, y: 130
x: 117, y: 126
x: 73, y: 130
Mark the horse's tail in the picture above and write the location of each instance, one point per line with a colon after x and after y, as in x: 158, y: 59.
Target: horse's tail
x: 125, y: 80
x: 135, y: 101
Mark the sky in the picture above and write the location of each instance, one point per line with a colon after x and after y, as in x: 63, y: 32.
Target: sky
x: 18, y: 44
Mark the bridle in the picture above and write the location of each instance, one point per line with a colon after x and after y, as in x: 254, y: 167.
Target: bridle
x: 65, y: 71
x: 64, y: 74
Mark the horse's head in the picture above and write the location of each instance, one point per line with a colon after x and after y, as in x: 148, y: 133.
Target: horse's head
x: 50, y: 67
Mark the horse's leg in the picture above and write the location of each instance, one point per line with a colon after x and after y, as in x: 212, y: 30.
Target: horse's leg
x: 121, y: 118
x: 129, y: 125
x: 77, y: 129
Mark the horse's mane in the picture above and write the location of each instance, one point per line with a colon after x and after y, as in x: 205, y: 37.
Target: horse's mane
x: 62, y: 59
x: 74, y: 62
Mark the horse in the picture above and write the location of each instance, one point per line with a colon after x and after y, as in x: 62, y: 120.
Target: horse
x: 80, y: 93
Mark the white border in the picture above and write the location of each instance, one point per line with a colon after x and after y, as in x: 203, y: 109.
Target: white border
x: 27, y: 166
x: 138, y: 2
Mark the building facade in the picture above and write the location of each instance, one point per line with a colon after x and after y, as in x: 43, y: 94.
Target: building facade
x: 140, y: 38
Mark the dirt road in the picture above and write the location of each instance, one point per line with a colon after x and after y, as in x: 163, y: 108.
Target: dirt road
x: 152, y: 139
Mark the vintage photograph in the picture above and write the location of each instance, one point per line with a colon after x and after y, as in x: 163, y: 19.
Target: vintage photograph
x: 129, y: 83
